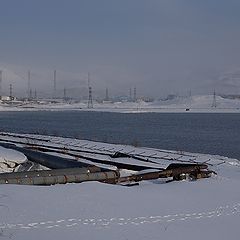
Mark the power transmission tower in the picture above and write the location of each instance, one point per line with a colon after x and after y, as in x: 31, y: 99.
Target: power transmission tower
x: 1, y: 82
x: 130, y: 94
x: 90, y: 100
x: 64, y: 94
x: 190, y: 98
x: 35, y: 94
x: 10, y: 91
x: 30, y: 95
x: 107, y: 96
x: 135, y: 94
x: 190, y: 93
x: 214, y: 103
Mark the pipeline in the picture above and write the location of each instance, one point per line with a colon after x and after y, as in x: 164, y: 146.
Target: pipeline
x: 68, y: 171
x: 58, y: 176
x: 78, y: 175
x: 194, y: 171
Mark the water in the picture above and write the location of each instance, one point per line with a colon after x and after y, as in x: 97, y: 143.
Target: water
x: 194, y: 132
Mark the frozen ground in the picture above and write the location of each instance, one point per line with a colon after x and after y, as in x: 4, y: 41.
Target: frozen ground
x: 179, y: 104
x: 207, y: 208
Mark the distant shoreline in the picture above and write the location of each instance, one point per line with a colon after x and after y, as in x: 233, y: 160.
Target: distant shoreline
x: 123, y: 110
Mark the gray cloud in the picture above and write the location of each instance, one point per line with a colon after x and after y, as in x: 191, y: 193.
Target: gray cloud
x: 158, y: 46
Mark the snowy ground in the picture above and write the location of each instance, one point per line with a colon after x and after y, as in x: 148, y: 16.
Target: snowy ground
x: 207, y: 208
x: 10, y: 159
x: 178, y: 104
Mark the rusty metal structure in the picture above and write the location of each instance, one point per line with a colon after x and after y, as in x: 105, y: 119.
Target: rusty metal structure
x: 65, y: 170
x: 178, y: 172
x: 59, y: 176
x: 78, y: 175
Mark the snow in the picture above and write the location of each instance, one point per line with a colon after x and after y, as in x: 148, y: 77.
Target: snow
x: 95, y: 211
x: 206, y: 208
x: 10, y: 159
x: 198, y: 103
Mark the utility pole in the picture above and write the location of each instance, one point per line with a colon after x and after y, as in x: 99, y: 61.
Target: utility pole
x: 107, y: 96
x: 135, y: 94
x: 29, y: 85
x: 1, y: 82
x: 65, y: 94
x: 90, y: 100
x: 10, y: 92
x: 30, y: 95
x: 54, y: 83
x: 214, y: 103
x: 190, y: 97
x: 35, y: 94
x: 130, y: 94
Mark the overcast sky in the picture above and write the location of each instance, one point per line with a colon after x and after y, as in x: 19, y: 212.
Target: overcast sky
x: 159, y: 46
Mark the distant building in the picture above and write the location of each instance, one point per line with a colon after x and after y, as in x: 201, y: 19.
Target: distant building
x: 7, y: 98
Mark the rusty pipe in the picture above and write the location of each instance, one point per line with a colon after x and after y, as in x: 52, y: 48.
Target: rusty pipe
x: 57, y: 176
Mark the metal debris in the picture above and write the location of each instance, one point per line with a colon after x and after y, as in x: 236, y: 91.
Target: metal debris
x: 67, y: 170
x: 179, y: 172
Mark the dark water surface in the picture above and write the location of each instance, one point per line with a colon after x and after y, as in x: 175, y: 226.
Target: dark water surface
x: 194, y: 132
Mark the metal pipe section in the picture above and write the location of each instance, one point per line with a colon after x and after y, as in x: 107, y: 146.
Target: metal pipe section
x: 58, y: 176
x: 193, y: 170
